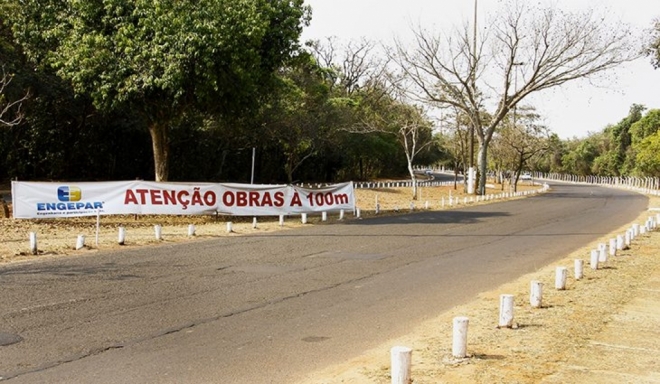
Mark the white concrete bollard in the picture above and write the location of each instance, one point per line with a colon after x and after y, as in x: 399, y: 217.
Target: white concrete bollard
x: 358, y: 213
x: 191, y: 230
x: 401, y: 361
x: 158, y: 232
x: 459, y: 339
x: 33, y: 243
x: 578, y: 269
x: 635, y: 230
x: 426, y: 205
x: 341, y: 214
x: 506, y: 311
x: 602, y: 253
x: 324, y: 216
x: 254, y: 222
x: 412, y: 206
x: 121, y: 236
x: 80, y: 242
x: 281, y: 220
x: 628, y: 238
x: 594, y: 259
x: 443, y: 202
x: 303, y: 218
x: 612, y: 247
x: 619, y: 242
x: 536, y: 294
x: 642, y: 229
x: 377, y: 209
x: 561, y: 273
x: 230, y: 227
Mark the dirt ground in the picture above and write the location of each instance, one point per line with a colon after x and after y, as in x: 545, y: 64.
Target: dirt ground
x: 542, y: 340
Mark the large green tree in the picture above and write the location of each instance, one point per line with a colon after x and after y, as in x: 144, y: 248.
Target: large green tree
x: 162, y: 58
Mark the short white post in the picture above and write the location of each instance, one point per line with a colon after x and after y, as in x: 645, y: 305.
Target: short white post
x: 401, y: 360
x: 191, y: 230
x: 459, y: 339
x: 602, y: 253
x: 426, y: 204
x: 536, y: 294
x: 578, y: 266
x: 229, y: 227
x: 303, y: 218
x: 377, y: 208
x: 635, y: 229
x: 254, y: 222
x: 561, y: 273
x: 642, y: 230
x: 324, y: 216
x: 358, y: 213
x: 613, y: 247
x: 341, y: 214
x: 281, y: 220
x: 594, y: 259
x: 628, y: 239
x: 506, y: 311
x: 443, y: 202
x: 33, y: 243
x: 412, y: 206
x: 121, y: 236
x: 619, y: 242
x: 158, y: 231
x: 80, y: 242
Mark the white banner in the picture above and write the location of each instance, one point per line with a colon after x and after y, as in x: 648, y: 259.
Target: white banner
x: 44, y: 200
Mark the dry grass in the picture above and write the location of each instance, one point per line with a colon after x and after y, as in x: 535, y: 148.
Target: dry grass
x: 545, y: 339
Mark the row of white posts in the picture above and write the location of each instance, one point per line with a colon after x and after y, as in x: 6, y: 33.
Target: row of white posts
x: 158, y: 230
x: 450, y: 201
x: 401, y: 357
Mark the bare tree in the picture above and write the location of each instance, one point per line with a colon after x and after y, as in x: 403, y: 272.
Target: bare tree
x: 525, y: 50
x: 10, y: 111
x: 521, y: 140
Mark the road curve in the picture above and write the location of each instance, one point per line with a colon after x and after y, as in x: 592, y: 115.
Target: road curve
x: 271, y: 307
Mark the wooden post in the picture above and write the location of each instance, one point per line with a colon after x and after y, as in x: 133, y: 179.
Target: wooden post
x: 401, y: 359
x: 459, y: 340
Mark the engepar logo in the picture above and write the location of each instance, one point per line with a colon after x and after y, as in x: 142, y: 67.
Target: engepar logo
x: 67, y: 194
x: 70, y: 200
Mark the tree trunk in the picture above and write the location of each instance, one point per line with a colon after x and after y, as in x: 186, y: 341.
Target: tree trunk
x: 161, y: 151
x: 482, y: 163
x: 414, y: 180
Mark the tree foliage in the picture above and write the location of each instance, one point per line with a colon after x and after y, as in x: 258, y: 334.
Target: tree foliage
x: 166, y: 58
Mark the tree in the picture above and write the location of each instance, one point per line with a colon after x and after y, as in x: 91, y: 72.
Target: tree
x: 163, y: 58
x: 526, y: 50
x: 522, y: 139
x: 10, y: 111
x: 648, y: 155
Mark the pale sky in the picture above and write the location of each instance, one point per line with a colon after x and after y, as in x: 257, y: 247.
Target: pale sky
x: 572, y: 110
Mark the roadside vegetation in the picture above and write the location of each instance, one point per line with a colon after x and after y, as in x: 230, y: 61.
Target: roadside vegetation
x: 129, y: 90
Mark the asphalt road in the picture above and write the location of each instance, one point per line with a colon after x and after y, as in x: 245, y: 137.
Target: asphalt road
x: 269, y: 308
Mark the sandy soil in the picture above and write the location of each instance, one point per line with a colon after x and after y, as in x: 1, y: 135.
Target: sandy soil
x: 543, y: 339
